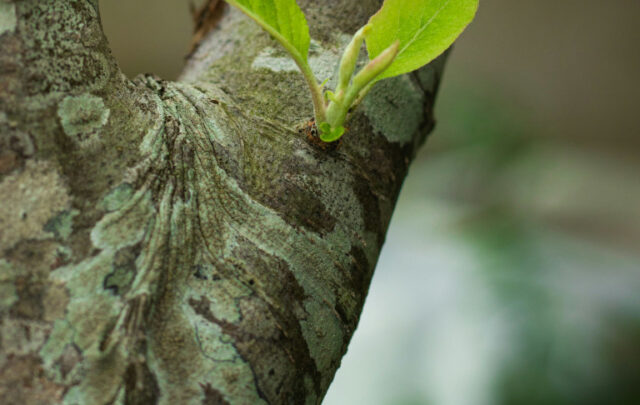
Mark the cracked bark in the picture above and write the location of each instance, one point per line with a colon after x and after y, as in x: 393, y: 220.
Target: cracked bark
x: 183, y: 242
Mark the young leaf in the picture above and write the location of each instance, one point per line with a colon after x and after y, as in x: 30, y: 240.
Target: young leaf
x: 329, y: 134
x: 425, y: 29
x: 283, y: 19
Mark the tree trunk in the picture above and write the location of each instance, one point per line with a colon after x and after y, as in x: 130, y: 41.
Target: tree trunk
x: 183, y: 242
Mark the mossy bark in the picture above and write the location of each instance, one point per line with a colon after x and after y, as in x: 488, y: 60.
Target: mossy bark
x: 183, y: 242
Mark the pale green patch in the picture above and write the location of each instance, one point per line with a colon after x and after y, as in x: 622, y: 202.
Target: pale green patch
x: 126, y: 226
x: 323, y: 333
x: 212, y: 342
x: 394, y: 108
x: 322, y: 61
x: 62, y: 225
x: 7, y: 288
x: 60, y: 336
x: 267, y: 60
x: 425, y: 29
x: 82, y: 118
x: 90, y: 307
x: 221, y: 293
x: 117, y: 197
x: 30, y: 199
x: 7, y: 295
x: 120, y: 279
x: 8, y: 19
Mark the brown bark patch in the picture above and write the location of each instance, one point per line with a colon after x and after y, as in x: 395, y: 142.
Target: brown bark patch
x: 141, y: 387
x: 23, y: 381
x: 277, y: 183
x: 212, y: 396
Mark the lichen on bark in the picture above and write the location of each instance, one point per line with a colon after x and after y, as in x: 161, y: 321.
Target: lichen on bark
x: 182, y: 242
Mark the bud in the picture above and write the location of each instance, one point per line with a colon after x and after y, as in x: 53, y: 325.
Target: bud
x: 350, y: 58
x: 378, y: 65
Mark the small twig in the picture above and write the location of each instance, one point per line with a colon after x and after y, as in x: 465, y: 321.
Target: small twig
x: 205, y: 19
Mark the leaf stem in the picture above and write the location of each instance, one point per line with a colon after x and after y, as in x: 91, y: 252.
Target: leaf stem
x: 319, y: 106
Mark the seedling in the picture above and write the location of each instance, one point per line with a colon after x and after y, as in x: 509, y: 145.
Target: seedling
x: 402, y: 36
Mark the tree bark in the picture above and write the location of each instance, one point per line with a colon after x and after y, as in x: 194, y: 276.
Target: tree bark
x: 184, y: 242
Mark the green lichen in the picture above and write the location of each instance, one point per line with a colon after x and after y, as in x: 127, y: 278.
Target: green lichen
x: 223, y: 292
x: 82, y: 118
x: 126, y: 226
x: 394, y: 108
x: 117, y: 197
x: 63, y: 47
x: 60, y: 337
x: 120, y: 279
x: 61, y: 225
x: 7, y: 295
x: 30, y: 199
x: 7, y: 17
x: 323, y: 332
x: 323, y: 61
x: 84, y: 281
x: 7, y: 290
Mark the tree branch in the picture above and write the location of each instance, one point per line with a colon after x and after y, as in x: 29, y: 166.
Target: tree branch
x: 184, y: 242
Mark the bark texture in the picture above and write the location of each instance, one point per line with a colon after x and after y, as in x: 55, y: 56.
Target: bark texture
x: 183, y: 242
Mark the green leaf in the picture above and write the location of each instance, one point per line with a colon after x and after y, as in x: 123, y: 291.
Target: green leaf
x: 425, y: 29
x: 329, y: 134
x: 284, y: 20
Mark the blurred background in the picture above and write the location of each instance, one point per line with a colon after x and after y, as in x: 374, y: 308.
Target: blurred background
x: 511, y: 271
